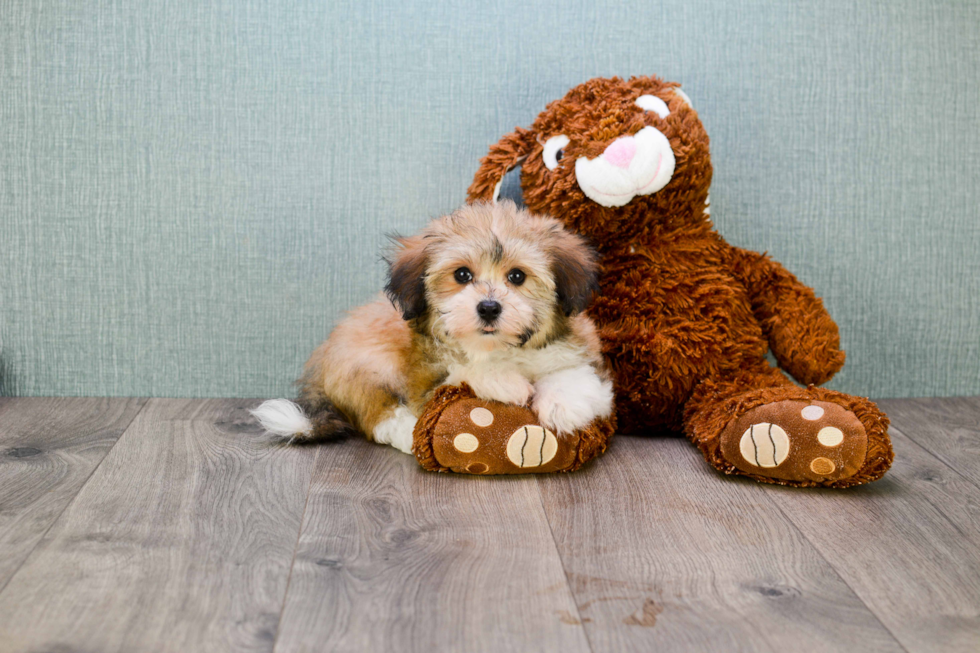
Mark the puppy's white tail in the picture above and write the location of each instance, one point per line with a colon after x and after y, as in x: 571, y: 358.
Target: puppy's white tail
x: 284, y: 418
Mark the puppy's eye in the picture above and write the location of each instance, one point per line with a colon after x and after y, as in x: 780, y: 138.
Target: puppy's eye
x: 653, y: 103
x: 554, y: 151
x: 516, y: 277
x: 463, y: 275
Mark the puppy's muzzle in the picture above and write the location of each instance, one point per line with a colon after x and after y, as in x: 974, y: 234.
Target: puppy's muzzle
x: 489, y: 310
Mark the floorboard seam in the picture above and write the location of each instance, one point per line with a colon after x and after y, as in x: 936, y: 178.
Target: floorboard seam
x: 837, y: 572
x: 54, y: 521
x: 299, y: 535
x: 935, y: 456
x: 561, y: 561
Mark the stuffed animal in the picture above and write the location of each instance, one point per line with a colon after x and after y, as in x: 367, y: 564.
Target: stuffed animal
x: 685, y: 317
x: 458, y: 432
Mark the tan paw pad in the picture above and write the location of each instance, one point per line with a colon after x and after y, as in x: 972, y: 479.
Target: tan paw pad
x: 812, y: 413
x: 481, y: 416
x: 764, y: 445
x: 466, y: 442
x: 532, y: 446
x: 830, y: 436
x: 822, y: 466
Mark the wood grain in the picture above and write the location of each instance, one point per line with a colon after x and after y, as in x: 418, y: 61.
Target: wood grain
x: 907, y: 545
x: 190, y: 535
x: 180, y: 541
x: 949, y: 428
x: 665, y: 554
x: 48, y: 449
x: 393, y: 558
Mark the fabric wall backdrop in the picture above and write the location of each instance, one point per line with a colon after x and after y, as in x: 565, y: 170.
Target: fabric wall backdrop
x: 192, y: 192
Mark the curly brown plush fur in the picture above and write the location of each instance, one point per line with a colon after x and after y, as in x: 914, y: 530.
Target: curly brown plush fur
x: 686, y: 318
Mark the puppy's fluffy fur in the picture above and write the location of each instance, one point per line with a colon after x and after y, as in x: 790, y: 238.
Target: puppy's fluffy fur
x: 489, y: 295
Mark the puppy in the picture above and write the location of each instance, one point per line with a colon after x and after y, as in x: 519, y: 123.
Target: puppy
x: 489, y: 295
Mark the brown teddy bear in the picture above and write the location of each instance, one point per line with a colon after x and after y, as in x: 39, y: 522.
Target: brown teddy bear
x: 686, y: 318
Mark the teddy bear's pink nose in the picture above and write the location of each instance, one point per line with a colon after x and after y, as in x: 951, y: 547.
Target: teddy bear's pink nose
x: 621, y: 151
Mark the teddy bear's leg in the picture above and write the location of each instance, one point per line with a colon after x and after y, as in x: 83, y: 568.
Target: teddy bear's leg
x: 461, y: 433
x: 759, y: 424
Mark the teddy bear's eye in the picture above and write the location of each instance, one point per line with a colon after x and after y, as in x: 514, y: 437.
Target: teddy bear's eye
x: 554, y: 151
x: 682, y: 95
x: 653, y: 103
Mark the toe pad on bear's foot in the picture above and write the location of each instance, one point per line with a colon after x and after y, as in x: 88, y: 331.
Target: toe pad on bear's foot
x: 813, y: 442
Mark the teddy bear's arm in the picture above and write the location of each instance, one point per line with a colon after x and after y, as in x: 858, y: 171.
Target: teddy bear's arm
x: 802, y: 335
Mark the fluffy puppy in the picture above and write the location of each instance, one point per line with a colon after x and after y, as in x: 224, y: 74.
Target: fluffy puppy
x: 489, y: 295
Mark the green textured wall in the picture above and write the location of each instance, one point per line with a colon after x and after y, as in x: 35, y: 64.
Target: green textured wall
x: 191, y: 192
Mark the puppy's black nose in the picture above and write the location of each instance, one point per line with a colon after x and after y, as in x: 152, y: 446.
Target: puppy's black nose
x: 488, y: 310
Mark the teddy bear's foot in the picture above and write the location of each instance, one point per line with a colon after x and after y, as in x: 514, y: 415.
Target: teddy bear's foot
x: 459, y: 432
x: 802, y: 441
x: 482, y: 437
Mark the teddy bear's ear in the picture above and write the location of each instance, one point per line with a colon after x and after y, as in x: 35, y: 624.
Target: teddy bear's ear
x: 406, y: 277
x: 504, y: 155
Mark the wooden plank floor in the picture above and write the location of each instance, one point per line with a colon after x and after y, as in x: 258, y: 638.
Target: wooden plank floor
x: 174, y: 525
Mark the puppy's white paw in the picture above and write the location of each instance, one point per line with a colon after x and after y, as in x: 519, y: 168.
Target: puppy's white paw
x: 570, y: 399
x: 506, y: 387
x: 397, y: 430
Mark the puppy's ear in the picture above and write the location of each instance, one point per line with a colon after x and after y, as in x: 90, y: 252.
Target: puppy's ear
x: 406, y: 277
x: 576, y: 271
x: 504, y: 155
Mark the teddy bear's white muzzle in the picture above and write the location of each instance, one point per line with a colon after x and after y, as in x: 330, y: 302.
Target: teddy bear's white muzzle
x: 629, y: 166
